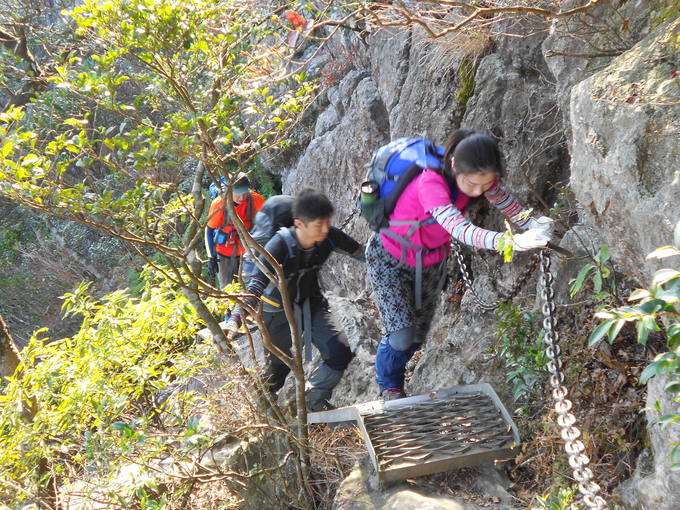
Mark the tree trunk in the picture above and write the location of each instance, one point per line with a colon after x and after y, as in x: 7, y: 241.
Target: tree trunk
x: 9, y: 353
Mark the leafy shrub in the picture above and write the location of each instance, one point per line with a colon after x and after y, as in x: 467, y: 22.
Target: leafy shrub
x: 521, y: 350
x: 561, y: 499
x: 265, y: 183
x: 656, y: 311
x: 85, y: 404
x: 598, y: 274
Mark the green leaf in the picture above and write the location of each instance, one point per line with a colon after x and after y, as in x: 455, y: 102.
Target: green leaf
x: 664, y: 275
x: 597, y: 281
x: 673, y: 387
x: 663, y: 252
x: 649, y: 372
x: 120, y: 426
x: 604, y: 255
x: 668, y: 297
x: 673, y: 333
x: 628, y: 311
x: 642, y: 332
x: 599, y: 332
x: 613, y: 332
x: 638, y: 294
x: 650, y: 307
x: 577, y: 283
x: 7, y: 148
x: 76, y: 122
x: 21, y: 174
x: 30, y: 159
x: 675, y: 455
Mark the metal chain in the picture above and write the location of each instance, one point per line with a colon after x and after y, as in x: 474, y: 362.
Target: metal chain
x: 565, y: 420
x: 349, y: 218
x: 512, y: 293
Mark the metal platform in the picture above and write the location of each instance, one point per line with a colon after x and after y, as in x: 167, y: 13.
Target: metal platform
x: 433, y: 432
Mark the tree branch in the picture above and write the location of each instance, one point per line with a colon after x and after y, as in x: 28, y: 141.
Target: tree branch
x: 9, y: 353
x: 35, y: 80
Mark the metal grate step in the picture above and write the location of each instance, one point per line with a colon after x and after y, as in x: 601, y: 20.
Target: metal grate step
x: 433, y: 432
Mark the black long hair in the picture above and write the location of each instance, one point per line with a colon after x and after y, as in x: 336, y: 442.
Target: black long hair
x: 473, y: 153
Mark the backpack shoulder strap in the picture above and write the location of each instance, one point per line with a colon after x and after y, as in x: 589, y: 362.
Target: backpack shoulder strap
x: 250, y: 208
x: 249, y: 211
x: 291, y: 241
x: 225, y: 218
x: 404, y: 180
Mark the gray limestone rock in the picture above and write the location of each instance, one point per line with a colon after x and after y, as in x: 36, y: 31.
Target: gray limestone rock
x: 360, y: 491
x: 625, y: 151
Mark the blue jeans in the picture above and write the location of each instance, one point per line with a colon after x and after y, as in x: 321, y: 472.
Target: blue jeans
x: 390, y: 364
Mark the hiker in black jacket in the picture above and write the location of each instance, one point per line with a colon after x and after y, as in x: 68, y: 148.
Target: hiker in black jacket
x: 301, y: 250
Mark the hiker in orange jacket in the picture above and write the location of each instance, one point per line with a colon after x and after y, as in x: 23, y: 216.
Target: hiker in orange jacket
x: 221, y: 237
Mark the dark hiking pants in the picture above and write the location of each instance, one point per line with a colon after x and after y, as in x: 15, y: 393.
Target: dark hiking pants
x: 335, y: 354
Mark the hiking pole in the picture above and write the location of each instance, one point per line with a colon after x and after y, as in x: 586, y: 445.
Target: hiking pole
x: 561, y: 251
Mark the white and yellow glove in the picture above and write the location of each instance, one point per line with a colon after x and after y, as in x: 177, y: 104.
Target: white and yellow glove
x: 530, y: 239
x: 231, y: 329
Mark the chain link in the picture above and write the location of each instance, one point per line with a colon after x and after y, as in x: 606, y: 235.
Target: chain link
x: 349, y: 218
x: 511, y: 294
x: 565, y: 420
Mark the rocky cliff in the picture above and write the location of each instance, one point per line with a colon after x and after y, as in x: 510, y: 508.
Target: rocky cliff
x: 591, y: 124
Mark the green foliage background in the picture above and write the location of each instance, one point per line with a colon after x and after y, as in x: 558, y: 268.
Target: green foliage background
x: 144, y: 101
x: 92, y: 398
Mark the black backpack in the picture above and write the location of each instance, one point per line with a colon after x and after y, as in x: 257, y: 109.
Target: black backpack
x: 276, y: 213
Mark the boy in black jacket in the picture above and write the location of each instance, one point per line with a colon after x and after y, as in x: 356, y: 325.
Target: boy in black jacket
x: 301, y: 250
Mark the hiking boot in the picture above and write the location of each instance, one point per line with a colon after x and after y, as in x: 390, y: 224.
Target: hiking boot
x: 324, y: 405
x: 393, y: 394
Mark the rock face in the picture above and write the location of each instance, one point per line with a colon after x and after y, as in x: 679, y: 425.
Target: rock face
x: 605, y: 127
x: 360, y: 492
x: 625, y: 133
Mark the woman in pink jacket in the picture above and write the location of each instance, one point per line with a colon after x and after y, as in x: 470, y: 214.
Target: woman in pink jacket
x: 472, y: 168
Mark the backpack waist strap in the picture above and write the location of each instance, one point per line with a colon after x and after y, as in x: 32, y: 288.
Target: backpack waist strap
x: 419, y: 250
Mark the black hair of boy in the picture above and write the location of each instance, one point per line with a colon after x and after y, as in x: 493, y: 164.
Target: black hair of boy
x: 311, y: 205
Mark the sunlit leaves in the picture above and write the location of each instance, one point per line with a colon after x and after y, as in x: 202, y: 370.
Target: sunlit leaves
x: 87, y: 386
x: 156, y: 83
x: 598, y: 274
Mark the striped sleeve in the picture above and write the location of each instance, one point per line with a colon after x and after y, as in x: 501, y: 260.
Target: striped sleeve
x: 462, y: 229
x: 502, y: 200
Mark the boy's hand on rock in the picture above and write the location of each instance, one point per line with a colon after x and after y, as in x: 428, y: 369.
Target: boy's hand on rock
x: 231, y: 329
